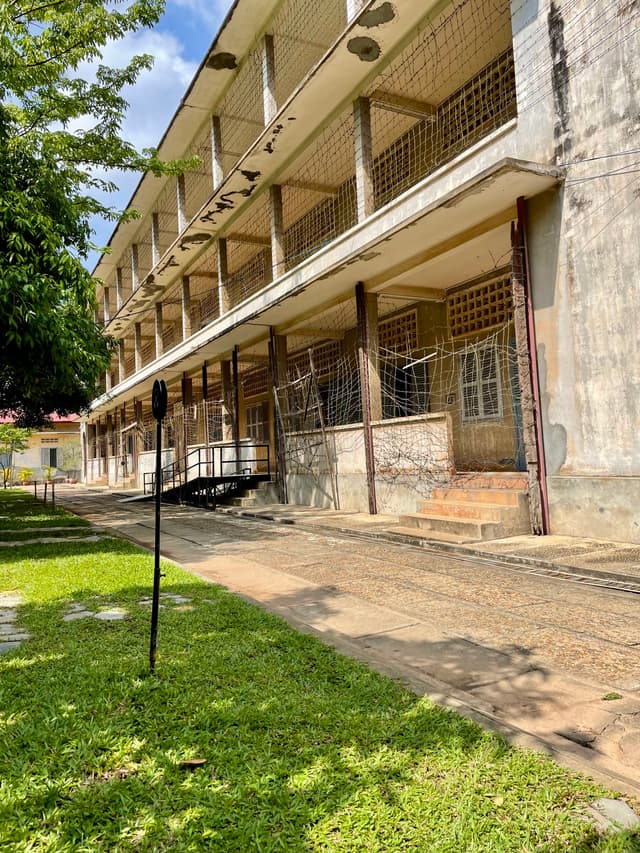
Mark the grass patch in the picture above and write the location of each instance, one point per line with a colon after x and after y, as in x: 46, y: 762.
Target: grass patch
x: 18, y: 510
x: 305, y: 750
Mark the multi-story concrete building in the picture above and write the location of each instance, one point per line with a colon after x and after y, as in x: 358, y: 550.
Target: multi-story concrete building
x: 405, y: 261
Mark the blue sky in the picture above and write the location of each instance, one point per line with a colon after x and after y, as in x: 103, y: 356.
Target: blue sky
x: 178, y: 43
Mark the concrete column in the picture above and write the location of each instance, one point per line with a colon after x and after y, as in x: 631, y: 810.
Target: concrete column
x: 158, y: 330
x: 122, y: 370
x: 217, y: 169
x: 155, y: 239
x: 269, y: 79
x: 138, y: 346
x: 223, y: 296
x: 277, y: 231
x: 135, y: 268
x: 364, y: 158
x: 186, y: 308
x: 366, y: 308
x: 111, y: 450
x: 181, y: 192
x: 119, y: 289
x: 105, y: 305
x: 107, y: 380
x: 227, y: 401
x: 278, y: 357
x: 187, y: 390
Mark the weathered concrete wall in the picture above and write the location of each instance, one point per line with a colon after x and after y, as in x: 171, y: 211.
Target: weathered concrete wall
x: 411, y: 455
x: 585, y: 257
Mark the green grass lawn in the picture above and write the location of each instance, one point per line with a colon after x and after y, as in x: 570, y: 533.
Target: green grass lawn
x: 304, y: 750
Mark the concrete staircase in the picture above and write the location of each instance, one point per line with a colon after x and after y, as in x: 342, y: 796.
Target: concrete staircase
x: 475, y: 507
x: 261, y: 494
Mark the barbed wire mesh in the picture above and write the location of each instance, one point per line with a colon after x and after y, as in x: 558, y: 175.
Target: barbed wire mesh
x: 449, y: 398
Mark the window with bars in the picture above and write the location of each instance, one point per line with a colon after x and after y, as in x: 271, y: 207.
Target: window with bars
x: 480, y: 390
x: 257, y: 420
x: 481, y: 307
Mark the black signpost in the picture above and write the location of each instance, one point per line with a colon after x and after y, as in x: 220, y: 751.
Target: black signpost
x: 159, y: 408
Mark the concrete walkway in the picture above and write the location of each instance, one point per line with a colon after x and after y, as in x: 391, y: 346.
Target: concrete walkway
x: 540, y: 650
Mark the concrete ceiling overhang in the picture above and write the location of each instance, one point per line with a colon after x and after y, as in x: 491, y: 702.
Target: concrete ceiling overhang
x: 374, y: 37
x: 399, y: 245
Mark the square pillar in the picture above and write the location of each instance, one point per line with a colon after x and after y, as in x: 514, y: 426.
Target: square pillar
x: 119, y: 289
x: 223, y: 296
x: 155, y: 239
x: 268, y: 79
x: 186, y: 308
x: 217, y: 169
x: 158, y: 330
x: 277, y: 231
x: 365, y: 199
x: 105, y: 306
x: 122, y: 369
x: 181, y: 195
x: 228, y: 413
x: 138, y: 346
x: 135, y: 268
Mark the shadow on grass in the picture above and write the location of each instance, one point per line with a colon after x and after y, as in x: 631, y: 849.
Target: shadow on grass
x: 304, y: 749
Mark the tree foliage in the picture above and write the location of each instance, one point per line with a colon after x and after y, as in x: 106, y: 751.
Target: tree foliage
x: 61, y: 114
x: 13, y: 439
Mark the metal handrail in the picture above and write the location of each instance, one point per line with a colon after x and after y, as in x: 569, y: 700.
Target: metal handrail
x: 243, y: 464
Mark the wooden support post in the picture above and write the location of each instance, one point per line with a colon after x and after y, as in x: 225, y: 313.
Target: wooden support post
x: 278, y: 363
x: 122, y: 367
x: 269, y: 79
x: 365, y: 391
x: 365, y: 199
x: 135, y: 268
x: 119, y: 289
x: 217, y: 169
x: 186, y: 308
x: 159, y: 346
x: 223, y: 296
x: 528, y: 376
x: 137, y: 331
x: 155, y: 239
x: 181, y: 196
x: 105, y: 306
x: 277, y: 231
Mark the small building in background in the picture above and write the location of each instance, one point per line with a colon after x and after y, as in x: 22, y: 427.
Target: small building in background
x: 55, y: 447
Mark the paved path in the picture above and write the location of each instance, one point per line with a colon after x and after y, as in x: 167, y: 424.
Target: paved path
x: 534, y: 653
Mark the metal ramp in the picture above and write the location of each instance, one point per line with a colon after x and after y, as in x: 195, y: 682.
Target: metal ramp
x: 207, y: 474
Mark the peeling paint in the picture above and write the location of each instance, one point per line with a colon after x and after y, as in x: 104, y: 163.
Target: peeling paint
x: 221, y: 61
x: 380, y: 15
x: 250, y: 176
x: 365, y: 48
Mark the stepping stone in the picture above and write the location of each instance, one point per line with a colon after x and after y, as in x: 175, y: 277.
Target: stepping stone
x: 75, y: 605
x: 183, y: 608
x: 613, y: 814
x: 78, y: 614
x: 177, y: 599
x: 114, y: 615
x: 14, y: 636
x: 10, y: 599
x: 9, y: 646
x: 8, y: 615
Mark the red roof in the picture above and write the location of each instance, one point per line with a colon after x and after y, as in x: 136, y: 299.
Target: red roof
x: 54, y: 418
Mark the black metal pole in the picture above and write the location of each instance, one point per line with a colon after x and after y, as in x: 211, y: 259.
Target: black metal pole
x: 155, y: 605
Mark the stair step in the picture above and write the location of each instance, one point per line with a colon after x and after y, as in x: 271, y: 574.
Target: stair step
x: 502, y: 497
x: 491, y: 480
x: 469, y: 528
x: 512, y: 523
x: 429, y: 535
x: 465, y: 510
